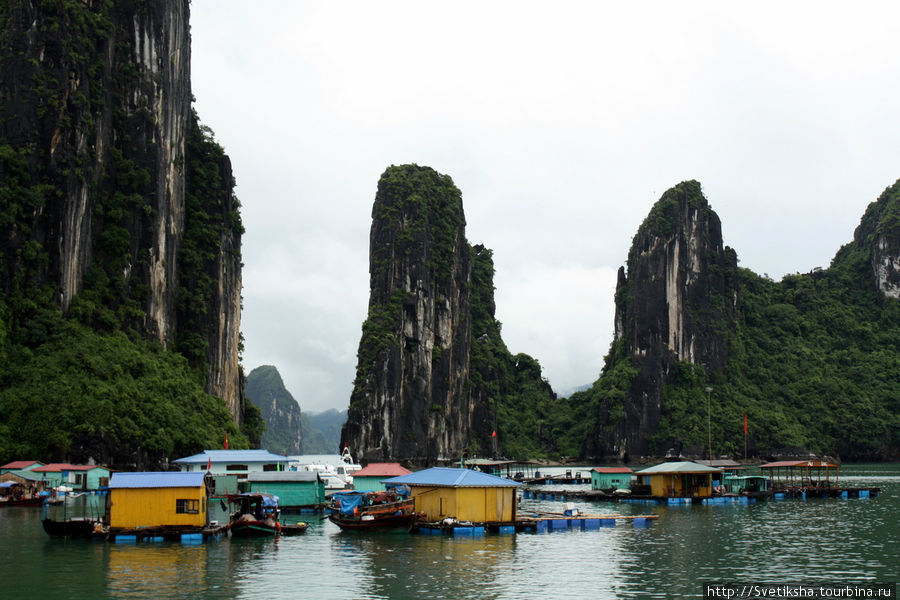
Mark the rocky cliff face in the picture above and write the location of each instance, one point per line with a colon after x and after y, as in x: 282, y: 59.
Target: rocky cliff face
x: 880, y: 231
x: 409, y: 400
x: 674, y: 304
x: 95, y: 114
x: 279, y: 409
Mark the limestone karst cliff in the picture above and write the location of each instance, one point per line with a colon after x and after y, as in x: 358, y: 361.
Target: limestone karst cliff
x: 702, y: 346
x: 279, y: 409
x: 106, y: 189
x: 880, y: 231
x: 434, y: 380
x: 409, y: 400
x: 674, y: 305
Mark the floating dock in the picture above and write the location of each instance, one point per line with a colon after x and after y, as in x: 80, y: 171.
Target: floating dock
x: 536, y: 523
x: 749, y: 498
x: 185, y: 535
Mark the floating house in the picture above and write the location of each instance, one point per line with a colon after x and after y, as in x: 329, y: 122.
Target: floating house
x: 20, y: 465
x: 369, y: 477
x: 26, y: 478
x: 611, y: 478
x: 233, y: 462
x: 511, y: 469
x: 787, y: 474
x: 81, y: 478
x: 683, y: 479
x: 157, y: 499
x: 461, y: 494
x: 296, y: 490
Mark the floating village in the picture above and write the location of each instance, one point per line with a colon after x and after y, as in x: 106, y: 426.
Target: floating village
x: 254, y: 493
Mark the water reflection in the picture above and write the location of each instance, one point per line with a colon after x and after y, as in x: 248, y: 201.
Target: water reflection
x: 815, y: 540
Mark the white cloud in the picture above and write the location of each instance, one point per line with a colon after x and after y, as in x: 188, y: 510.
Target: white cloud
x: 562, y: 124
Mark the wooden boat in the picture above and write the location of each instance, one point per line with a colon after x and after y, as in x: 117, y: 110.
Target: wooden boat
x: 372, y: 511
x: 73, y: 528
x: 293, y: 528
x: 32, y: 501
x: 256, y: 515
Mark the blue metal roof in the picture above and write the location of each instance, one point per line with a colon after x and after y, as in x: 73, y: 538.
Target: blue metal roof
x: 161, y: 479
x: 231, y: 456
x: 445, y: 477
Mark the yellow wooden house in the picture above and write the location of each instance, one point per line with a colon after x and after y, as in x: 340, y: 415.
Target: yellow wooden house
x: 157, y: 499
x: 679, y: 479
x: 460, y: 494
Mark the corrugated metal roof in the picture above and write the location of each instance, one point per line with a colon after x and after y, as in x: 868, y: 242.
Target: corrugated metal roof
x: 58, y: 467
x: 26, y: 474
x: 446, y: 477
x: 53, y: 468
x: 678, y: 467
x: 799, y: 463
x: 283, y: 476
x: 318, y: 459
x: 164, y: 479
x: 231, y: 456
x: 21, y: 464
x: 382, y: 470
x: 606, y: 470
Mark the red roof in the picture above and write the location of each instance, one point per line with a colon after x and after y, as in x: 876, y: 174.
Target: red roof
x: 20, y: 464
x: 382, y: 470
x: 613, y: 470
x: 56, y: 467
x: 798, y: 463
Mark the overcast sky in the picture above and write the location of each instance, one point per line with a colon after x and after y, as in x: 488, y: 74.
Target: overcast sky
x: 560, y: 122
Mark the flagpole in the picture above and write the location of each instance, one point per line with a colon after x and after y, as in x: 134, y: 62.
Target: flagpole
x: 745, y: 436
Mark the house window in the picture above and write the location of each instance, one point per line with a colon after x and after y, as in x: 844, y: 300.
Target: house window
x: 236, y: 468
x: 270, y: 467
x: 187, y: 507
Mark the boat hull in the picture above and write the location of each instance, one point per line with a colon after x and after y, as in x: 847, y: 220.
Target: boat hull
x: 383, y: 524
x: 75, y: 528
x: 252, y: 529
x: 293, y: 529
x: 36, y: 501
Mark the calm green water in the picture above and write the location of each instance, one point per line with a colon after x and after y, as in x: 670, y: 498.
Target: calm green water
x: 780, y: 542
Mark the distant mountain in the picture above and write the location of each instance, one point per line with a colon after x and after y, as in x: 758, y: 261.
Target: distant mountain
x: 280, y: 411
x: 322, y: 431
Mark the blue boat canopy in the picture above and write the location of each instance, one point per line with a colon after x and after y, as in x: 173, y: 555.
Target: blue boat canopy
x: 447, y: 477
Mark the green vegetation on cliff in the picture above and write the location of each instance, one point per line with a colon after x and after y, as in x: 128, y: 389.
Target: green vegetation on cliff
x: 80, y: 171
x: 519, y: 403
x: 812, y: 360
x: 265, y: 389
x: 70, y: 393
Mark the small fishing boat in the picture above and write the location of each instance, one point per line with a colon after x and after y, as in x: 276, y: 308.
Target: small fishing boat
x: 372, y: 511
x: 29, y: 501
x: 256, y: 515
x: 294, y: 528
x: 78, y: 527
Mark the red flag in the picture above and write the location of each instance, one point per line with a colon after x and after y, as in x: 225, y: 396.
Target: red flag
x: 226, y: 441
x: 493, y: 434
x: 209, y: 464
x: 745, y: 423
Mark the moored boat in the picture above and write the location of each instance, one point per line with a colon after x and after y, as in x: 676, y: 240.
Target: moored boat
x: 30, y: 501
x: 79, y: 527
x: 372, y: 511
x: 256, y: 515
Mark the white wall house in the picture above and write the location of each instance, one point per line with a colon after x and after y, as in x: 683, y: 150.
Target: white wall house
x: 234, y: 462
